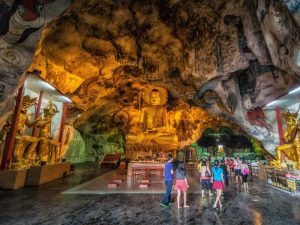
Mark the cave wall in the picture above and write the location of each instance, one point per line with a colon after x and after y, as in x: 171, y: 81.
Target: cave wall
x: 21, y: 25
x: 76, y: 148
x: 228, y: 57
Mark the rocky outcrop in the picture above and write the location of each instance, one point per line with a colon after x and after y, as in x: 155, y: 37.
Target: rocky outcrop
x: 246, y: 52
x: 21, y: 24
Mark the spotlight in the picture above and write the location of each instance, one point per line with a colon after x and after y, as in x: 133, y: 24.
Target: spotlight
x: 66, y: 99
x: 271, y: 103
x: 294, y: 91
x: 47, y: 85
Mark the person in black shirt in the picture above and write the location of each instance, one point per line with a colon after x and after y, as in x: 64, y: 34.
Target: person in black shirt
x: 225, y: 172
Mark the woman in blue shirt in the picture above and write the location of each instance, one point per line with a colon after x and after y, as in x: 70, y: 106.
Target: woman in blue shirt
x: 218, y: 183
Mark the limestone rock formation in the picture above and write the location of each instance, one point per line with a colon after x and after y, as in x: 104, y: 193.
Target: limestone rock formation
x: 227, y: 56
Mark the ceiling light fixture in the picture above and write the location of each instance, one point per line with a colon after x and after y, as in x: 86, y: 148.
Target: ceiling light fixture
x: 49, y: 86
x: 271, y: 103
x: 294, y: 91
x: 66, y: 99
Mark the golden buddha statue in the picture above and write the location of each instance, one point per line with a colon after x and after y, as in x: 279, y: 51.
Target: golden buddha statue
x: 153, y: 120
x: 154, y: 115
x: 291, y: 148
x: 48, y: 147
x: 22, y: 140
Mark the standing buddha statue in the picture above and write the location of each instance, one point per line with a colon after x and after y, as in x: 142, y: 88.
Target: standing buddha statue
x: 46, y: 151
x: 21, y: 139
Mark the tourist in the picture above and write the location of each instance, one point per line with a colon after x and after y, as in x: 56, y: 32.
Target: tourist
x: 218, y: 183
x: 245, y: 174
x: 200, y: 165
x: 231, y: 166
x: 205, y: 175
x: 237, y: 163
x: 225, y: 172
x: 181, y: 184
x: 168, y: 182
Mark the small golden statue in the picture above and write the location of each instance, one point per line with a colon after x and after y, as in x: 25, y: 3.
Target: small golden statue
x: 291, y: 148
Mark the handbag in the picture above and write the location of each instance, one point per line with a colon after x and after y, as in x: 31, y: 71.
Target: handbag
x: 207, y: 174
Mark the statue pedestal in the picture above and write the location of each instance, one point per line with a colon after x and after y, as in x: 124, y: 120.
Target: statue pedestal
x: 12, y: 179
x: 38, y: 175
x: 262, y: 171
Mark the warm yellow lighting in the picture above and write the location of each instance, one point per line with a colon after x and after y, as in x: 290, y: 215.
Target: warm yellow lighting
x: 257, y: 218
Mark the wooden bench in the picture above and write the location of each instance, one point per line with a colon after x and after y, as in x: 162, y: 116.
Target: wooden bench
x: 110, y: 160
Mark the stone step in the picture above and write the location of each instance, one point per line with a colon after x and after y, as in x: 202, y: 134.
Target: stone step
x: 144, y: 186
x: 112, y: 185
x: 145, y: 181
x: 118, y: 181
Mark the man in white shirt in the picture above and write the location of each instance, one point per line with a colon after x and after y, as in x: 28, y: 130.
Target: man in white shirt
x: 237, y: 163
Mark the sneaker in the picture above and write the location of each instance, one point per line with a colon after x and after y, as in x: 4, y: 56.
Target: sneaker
x: 163, y: 205
x: 215, y: 208
x: 171, y: 203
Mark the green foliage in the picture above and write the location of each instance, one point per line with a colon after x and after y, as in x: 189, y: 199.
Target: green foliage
x: 257, y: 147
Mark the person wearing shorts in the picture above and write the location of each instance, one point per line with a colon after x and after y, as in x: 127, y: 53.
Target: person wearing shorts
x: 218, y: 183
x: 181, y: 184
x: 205, y: 175
x: 237, y: 163
x: 245, y: 174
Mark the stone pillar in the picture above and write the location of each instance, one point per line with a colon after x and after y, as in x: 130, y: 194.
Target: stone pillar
x: 279, y: 124
x: 62, y: 125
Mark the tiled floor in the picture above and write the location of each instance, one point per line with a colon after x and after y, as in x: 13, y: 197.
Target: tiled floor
x: 46, y: 204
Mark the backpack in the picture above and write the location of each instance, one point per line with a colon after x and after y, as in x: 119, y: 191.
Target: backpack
x: 246, y: 171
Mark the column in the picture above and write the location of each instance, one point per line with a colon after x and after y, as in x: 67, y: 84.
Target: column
x: 62, y: 124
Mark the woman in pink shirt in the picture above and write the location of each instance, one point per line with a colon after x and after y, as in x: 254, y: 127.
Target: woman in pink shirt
x: 245, y: 174
x: 205, y: 176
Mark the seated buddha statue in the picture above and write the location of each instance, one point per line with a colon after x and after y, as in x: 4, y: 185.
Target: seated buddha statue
x: 291, y: 148
x: 153, y: 121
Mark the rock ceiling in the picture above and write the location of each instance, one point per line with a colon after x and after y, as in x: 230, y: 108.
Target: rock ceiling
x: 227, y: 56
